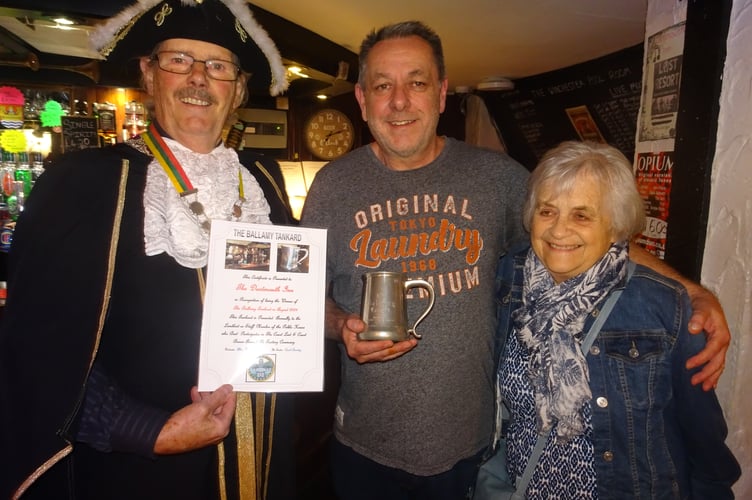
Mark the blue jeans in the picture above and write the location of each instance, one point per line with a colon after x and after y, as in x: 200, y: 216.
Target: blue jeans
x: 356, y: 477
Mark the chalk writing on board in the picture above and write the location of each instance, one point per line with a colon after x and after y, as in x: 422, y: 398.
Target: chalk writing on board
x: 79, y: 132
x: 601, y: 97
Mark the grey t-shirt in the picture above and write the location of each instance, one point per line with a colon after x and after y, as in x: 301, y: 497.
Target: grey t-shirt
x: 446, y: 222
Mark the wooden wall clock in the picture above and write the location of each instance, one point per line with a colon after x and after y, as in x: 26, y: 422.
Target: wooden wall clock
x: 328, y: 134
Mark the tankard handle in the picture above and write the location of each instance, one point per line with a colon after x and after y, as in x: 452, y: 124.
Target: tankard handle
x: 422, y: 284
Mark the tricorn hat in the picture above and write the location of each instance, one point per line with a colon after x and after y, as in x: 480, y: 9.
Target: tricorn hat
x: 136, y: 30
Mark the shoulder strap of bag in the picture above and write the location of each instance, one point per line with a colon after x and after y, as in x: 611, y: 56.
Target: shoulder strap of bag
x: 605, y: 311
x: 608, y: 306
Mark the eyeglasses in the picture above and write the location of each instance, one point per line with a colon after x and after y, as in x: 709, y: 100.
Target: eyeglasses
x: 180, y: 63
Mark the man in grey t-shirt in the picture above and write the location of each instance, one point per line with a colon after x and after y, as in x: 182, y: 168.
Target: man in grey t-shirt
x: 413, y: 417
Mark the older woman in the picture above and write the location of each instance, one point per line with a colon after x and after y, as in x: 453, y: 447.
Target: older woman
x: 623, y: 420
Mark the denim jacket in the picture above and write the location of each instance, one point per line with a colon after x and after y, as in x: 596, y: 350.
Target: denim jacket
x: 655, y: 435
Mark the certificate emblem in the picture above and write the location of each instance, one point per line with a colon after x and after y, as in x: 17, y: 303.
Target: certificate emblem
x: 262, y: 369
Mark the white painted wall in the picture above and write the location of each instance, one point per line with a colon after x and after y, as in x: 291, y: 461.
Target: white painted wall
x: 727, y: 262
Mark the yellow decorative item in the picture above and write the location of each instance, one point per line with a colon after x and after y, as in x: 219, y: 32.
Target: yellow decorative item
x: 13, y: 141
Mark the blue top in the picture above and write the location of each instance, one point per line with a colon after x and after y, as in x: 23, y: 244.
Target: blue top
x: 652, y: 434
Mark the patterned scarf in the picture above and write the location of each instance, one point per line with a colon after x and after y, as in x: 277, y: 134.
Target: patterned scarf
x: 549, y: 324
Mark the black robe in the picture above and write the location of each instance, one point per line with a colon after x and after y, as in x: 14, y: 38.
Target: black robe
x: 149, y: 343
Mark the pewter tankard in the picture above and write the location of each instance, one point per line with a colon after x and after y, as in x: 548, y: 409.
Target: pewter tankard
x: 292, y: 256
x: 384, y: 306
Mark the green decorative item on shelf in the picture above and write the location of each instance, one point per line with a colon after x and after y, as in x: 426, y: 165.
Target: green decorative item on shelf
x: 50, y: 117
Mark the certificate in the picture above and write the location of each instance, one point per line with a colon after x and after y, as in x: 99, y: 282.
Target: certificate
x: 263, y: 323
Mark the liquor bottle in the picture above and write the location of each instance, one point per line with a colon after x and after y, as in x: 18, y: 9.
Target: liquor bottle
x: 235, y: 136
x: 18, y: 190
x: 23, y: 172
x: 80, y: 108
x: 8, y: 173
x: 12, y: 200
x: 6, y: 238
x: 106, y: 126
x: 37, y: 167
x: 134, y: 123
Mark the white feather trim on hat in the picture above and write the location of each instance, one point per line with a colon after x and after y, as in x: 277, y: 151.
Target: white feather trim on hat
x: 279, y: 74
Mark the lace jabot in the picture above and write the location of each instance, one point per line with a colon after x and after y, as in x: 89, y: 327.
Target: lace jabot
x: 169, y: 224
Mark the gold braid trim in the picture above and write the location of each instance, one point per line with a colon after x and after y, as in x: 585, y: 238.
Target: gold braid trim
x: 259, y: 434
x: 267, y: 463
x: 221, y: 471
x: 41, y: 470
x: 246, y: 446
x: 114, y: 238
x: 274, y: 183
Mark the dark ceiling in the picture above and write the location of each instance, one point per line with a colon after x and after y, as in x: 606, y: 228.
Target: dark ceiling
x: 295, y: 43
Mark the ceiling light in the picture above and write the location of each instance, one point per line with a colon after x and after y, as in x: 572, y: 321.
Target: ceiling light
x: 297, y: 71
x: 322, y: 97
x: 64, y: 21
x: 495, y: 83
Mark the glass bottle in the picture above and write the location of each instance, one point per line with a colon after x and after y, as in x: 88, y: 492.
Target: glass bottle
x: 235, y: 136
x: 12, y: 200
x: 23, y: 172
x: 37, y: 167
x: 107, y: 128
x: 135, y: 120
x: 8, y: 174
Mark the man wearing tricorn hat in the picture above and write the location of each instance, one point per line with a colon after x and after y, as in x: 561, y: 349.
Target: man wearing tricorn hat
x: 99, y: 349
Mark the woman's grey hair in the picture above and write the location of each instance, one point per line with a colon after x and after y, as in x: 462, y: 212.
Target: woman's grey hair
x: 560, y: 167
x: 401, y: 30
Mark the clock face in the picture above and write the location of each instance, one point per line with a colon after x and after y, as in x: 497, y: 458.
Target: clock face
x: 329, y: 134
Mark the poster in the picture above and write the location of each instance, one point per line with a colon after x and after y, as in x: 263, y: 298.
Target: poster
x: 653, y: 173
x: 263, y: 321
x: 656, y: 125
x: 661, y: 82
x: 584, y: 124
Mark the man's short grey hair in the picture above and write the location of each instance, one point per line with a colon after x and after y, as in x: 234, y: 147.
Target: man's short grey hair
x: 401, y: 30
x: 560, y: 167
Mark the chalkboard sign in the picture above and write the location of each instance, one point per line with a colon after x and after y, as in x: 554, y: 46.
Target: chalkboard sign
x: 596, y: 100
x: 79, y: 132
